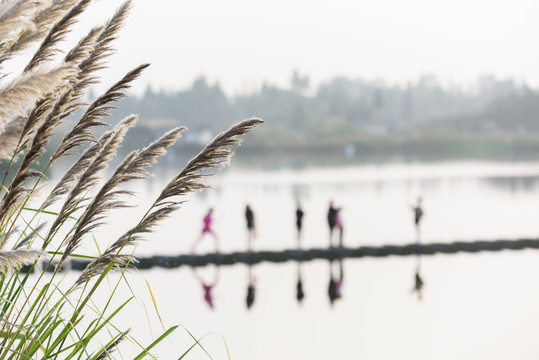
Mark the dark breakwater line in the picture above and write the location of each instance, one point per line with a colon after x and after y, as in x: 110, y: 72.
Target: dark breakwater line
x: 251, y: 258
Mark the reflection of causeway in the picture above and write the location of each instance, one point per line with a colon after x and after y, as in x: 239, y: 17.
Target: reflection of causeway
x: 328, y: 254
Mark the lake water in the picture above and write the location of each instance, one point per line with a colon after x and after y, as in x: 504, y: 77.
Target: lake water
x: 474, y: 306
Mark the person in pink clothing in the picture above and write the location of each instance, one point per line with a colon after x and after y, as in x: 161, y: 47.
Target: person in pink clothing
x: 207, y: 223
x: 207, y: 229
x: 339, y: 224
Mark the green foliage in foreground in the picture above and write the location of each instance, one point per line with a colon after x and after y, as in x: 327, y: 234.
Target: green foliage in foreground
x: 52, y: 316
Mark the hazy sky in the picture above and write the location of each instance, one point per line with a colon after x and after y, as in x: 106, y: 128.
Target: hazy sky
x: 242, y: 43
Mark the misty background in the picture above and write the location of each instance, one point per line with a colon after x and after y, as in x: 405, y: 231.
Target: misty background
x: 344, y: 119
x: 335, y: 82
x: 379, y: 86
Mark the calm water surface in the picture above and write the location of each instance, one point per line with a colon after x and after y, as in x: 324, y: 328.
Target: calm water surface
x: 475, y: 306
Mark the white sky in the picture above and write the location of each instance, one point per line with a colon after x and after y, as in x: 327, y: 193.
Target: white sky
x: 242, y: 43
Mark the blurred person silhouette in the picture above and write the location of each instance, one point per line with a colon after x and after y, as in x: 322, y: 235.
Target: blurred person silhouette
x: 418, y: 215
x: 332, y: 221
x: 299, y: 222
x: 251, y: 289
x: 300, y: 295
x: 207, y: 287
x: 207, y: 229
x: 339, y: 224
x: 335, y: 283
x: 251, y: 231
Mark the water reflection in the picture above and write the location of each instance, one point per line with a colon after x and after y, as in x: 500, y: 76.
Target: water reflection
x: 381, y: 206
x: 512, y: 183
x: 208, y: 285
x: 418, y: 281
x: 251, y: 288
x: 300, y: 294
x: 335, y: 281
x: 462, y: 209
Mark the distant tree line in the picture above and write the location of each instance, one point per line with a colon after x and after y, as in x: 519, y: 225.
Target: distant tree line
x: 343, y: 104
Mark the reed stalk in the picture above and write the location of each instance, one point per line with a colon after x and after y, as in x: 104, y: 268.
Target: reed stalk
x: 53, y: 316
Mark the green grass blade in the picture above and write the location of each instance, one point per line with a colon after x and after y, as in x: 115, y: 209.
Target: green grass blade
x: 82, y: 344
x: 159, y: 339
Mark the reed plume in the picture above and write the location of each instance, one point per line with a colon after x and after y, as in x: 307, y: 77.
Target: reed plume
x: 9, y: 137
x: 15, y: 195
x: 217, y: 152
x: 38, y: 28
x: 40, y: 318
x: 45, y: 104
x: 27, y: 88
x: 87, y: 180
x: 35, y: 118
x: 65, y: 185
x: 65, y: 105
x: 41, y: 109
x: 16, y: 192
x: 189, y: 179
x: 28, y: 238
x: 48, y: 47
x: 111, y: 347
x: 85, y: 46
x: 133, y: 167
x: 97, y: 110
x: 12, y: 259
x: 101, y: 51
x: 17, y: 15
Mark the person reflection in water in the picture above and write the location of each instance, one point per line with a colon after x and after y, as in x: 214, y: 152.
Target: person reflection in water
x: 251, y: 232
x: 208, y: 287
x: 335, y: 283
x: 418, y: 283
x: 251, y: 290
x: 207, y: 229
x: 299, y: 222
x: 300, y: 295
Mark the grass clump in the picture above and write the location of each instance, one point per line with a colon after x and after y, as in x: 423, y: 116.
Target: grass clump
x: 48, y: 315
